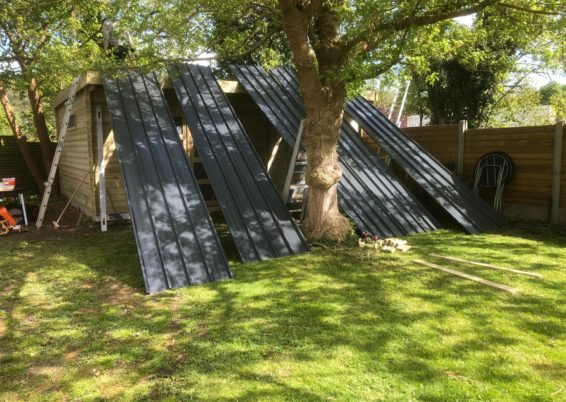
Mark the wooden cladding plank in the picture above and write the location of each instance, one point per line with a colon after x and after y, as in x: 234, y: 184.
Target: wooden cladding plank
x: 76, y: 157
x: 512, y: 131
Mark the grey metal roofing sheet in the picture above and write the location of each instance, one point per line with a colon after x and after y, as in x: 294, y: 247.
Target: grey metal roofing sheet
x: 368, y: 192
x: 176, y: 239
x: 260, y: 223
x: 454, y: 196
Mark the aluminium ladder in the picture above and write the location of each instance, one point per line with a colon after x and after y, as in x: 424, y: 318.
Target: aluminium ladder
x: 296, y: 192
x: 58, y: 150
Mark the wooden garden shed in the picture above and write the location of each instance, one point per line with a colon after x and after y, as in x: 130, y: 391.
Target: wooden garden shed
x: 80, y: 152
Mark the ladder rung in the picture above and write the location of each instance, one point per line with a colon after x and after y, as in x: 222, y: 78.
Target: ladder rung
x: 58, y: 150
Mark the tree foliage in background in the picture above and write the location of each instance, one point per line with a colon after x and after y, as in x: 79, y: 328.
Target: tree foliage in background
x: 554, y: 95
x: 4, y: 126
x: 520, y: 107
x: 43, y: 44
x: 491, y: 62
x: 254, y: 36
x: 336, y: 45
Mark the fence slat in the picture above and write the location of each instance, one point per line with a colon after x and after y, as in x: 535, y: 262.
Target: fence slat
x: 12, y: 163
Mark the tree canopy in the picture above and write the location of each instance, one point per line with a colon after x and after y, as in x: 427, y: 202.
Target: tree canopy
x: 43, y: 44
x: 335, y: 45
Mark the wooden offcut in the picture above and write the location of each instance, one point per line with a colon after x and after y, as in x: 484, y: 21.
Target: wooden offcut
x: 485, y: 265
x: 470, y: 277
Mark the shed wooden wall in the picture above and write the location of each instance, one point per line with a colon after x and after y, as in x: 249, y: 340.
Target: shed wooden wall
x: 77, y: 156
x: 80, y: 150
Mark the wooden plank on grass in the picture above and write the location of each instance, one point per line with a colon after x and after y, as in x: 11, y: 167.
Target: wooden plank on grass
x: 470, y: 277
x: 483, y: 264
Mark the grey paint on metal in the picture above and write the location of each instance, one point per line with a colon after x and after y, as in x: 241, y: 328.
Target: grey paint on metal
x: 368, y: 192
x: 454, y: 196
x: 260, y: 223
x: 176, y: 239
x: 399, y: 206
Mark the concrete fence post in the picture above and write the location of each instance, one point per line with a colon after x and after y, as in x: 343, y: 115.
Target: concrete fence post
x: 462, y: 127
x: 556, y: 171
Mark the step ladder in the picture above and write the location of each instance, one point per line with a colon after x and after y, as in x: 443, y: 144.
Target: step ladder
x: 58, y: 150
x: 297, y: 195
x: 295, y: 190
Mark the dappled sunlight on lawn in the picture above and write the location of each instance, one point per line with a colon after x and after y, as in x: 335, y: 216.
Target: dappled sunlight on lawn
x: 335, y: 323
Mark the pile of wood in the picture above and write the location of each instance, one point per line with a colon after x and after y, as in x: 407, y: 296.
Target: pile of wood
x: 389, y: 245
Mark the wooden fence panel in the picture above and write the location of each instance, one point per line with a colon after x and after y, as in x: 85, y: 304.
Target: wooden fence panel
x: 12, y: 163
x: 530, y: 148
x: 440, y: 141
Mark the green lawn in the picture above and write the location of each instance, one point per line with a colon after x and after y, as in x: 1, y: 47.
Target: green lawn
x: 330, y: 325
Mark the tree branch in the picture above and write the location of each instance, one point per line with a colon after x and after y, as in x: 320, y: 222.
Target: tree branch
x: 528, y: 10
x: 295, y: 25
x: 485, y: 115
x: 428, y: 19
x: 371, y: 35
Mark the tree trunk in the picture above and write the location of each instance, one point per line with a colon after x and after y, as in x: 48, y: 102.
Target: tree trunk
x: 322, y: 130
x: 21, y: 141
x: 40, y: 123
x: 323, y: 103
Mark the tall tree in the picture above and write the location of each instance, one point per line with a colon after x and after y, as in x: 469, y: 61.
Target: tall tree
x: 43, y: 44
x: 550, y: 90
x: 21, y: 139
x: 491, y: 60
x: 554, y: 94
x: 335, y: 45
x: 256, y: 28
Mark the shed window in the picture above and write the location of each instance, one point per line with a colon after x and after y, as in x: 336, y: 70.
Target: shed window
x: 72, y: 121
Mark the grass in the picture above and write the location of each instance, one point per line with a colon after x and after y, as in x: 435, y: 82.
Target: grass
x: 329, y: 325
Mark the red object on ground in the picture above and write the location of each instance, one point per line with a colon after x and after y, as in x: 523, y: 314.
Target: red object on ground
x: 4, y: 214
x: 7, y: 184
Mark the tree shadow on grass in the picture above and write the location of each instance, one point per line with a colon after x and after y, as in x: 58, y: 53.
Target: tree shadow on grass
x: 247, y: 339
x: 95, y: 323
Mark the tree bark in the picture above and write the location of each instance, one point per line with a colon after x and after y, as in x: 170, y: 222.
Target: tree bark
x: 40, y: 123
x: 21, y: 141
x: 321, y: 133
x: 323, y: 105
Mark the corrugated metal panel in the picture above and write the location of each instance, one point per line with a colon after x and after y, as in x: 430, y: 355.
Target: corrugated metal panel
x: 467, y: 208
x: 176, y: 239
x: 368, y: 192
x: 404, y: 210
x: 259, y: 221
